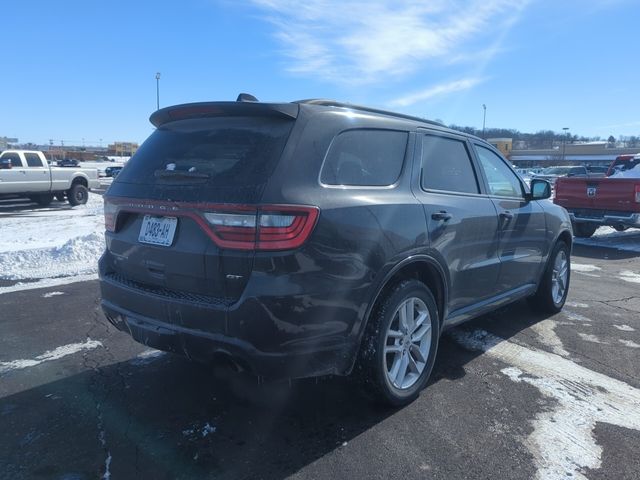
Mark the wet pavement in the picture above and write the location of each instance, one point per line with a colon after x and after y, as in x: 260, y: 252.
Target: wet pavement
x: 513, y: 395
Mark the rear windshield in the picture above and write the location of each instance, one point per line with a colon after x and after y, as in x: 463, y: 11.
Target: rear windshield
x: 556, y: 171
x: 226, y: 151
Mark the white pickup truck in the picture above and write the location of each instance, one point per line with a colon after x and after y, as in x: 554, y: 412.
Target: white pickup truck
x: 27, y: 173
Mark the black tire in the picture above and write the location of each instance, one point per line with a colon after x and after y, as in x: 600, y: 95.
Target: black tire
x: 60, y: 196
x: 544, y: 300
x: 78, y: 194
x: 584, y: 230
x: 44, y: 199
x: 373, y: 362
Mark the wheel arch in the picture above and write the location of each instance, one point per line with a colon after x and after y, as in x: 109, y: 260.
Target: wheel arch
x: 80, y: 179
x: 422, y: 267
x: 426, y: 270
x: 566, y: 237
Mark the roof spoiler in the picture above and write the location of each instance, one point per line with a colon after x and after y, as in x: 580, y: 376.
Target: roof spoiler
x: 242, y: 108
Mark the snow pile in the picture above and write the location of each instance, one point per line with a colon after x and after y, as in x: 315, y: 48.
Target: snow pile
x: 631, y: 173
x: 50, y: 243
x: 629, y: 240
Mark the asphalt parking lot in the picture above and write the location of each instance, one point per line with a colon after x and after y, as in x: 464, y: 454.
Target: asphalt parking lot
x: 513, y: 395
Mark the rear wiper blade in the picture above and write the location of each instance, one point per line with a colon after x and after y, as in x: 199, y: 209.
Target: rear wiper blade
x: 180, y: 174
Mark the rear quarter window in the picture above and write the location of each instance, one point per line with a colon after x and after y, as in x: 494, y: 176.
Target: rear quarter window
x: 365, y: 157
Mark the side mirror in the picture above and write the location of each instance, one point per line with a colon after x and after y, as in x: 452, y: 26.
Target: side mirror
x: 5, y: 164
x: 540, y: 189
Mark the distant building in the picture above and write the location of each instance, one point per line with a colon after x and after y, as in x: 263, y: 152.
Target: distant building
x: 593, y: 153
x: 5, y: 141
x: 122, y: 149
x: 505, y: 145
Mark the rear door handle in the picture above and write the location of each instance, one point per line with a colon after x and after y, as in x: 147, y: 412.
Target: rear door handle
x: 442, y: 215
x: 506, y: 215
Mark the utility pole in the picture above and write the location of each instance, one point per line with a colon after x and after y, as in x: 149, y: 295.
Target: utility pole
x: 564, y: 143
x: 158, y: 91
x: 484, y: 118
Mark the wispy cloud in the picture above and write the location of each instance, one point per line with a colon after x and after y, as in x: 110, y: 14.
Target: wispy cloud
x: 436, y: 91
x: 357, y: 42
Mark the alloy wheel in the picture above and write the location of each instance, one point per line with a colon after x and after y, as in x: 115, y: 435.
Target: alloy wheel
x: 559, y: 277
x: 407, y: 343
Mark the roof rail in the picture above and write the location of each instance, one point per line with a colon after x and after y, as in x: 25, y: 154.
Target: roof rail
x: 334, y: 103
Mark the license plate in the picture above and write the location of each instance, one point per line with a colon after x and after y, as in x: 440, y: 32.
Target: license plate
x: 158, y: 230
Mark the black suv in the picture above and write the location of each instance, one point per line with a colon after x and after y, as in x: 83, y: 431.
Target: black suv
x: 314, y: 237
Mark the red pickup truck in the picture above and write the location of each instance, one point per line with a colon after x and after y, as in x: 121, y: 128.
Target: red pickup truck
x: 592, y: 202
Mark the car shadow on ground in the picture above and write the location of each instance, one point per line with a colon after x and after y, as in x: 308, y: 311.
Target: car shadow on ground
x: 164, y: 417
x: 600, y: 253
x: 24, y: 205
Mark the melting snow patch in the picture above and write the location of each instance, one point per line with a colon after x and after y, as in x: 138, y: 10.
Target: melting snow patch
x: 546, y: 329
x: 587, y: 337
x: 102, y: 437
x: 580, y: 267
x: 576, y: 317
x: 562, y: 442
x: 625, y: 328
x: 147, y: 357
x: 577, y: 305
x: 52, y: 294
x: 629, y: 276
x: 49, y: 355
x: 629, y: 343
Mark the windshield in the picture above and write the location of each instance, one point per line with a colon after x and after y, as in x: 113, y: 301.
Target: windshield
x: 556, y: 170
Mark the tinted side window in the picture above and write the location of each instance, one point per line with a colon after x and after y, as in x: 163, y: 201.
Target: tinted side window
x: 365, y: 157
x: 14, y: 157
x: 502, y: 181
x: 33, y: 160
x: 446, y: 165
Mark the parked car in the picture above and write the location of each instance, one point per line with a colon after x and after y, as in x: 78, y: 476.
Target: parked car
x: 597, y: 171
x: 68, y: 162
x: 623, y: 163
x: 27, y: 172
x: 594, y: 202
x: 315, y: 237
x: 112, y: 171
x: 553, y: 173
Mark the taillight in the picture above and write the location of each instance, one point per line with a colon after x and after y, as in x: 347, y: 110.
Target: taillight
x: 110, y: 215
x: 270, y: 227
x: 637, y: 193
x: 237, y: 227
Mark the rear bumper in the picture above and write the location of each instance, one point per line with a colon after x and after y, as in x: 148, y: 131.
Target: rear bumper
x: 631, y: 220
x: 245, y: 331
x: 208, y: 347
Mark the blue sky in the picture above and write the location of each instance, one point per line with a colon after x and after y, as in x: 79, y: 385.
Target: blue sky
x: 77, y: 70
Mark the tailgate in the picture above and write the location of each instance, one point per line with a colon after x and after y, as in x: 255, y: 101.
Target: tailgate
x: 162, y: 198
x: 607, y: 194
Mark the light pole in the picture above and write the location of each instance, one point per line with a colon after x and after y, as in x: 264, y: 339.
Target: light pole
x: 564, y: 143
x: 484, y: 118
x: 158, y: 91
